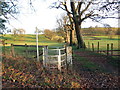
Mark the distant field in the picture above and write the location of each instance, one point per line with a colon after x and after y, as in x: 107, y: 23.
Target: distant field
x: 30, y: 40
x: 103, y: 40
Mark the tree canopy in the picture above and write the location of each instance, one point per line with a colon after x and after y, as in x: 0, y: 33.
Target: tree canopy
x: 6, y: 8
x: 80, y: 10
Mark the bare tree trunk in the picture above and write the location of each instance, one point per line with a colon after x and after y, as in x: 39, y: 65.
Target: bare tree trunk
x: 67, y: 37
x: 71, y: 38
x: 77, y: 23
x: 78, y: 35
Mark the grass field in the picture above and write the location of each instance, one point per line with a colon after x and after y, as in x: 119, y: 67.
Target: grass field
x: 31, y: 40
x: 103, y: 40
x: 25, y: 72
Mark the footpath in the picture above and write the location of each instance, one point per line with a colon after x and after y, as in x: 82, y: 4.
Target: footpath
x: 106, y: 76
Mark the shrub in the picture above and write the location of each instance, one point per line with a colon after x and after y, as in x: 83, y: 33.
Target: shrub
x: 60, y: 40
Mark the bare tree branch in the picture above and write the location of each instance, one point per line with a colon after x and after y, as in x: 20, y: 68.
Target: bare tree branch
x: 86, y: 7
x: 79, y: 6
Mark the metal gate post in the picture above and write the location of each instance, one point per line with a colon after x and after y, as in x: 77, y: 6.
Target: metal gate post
x: 59, y: 60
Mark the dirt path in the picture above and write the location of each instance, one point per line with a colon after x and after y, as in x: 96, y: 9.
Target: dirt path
x: 96, y: 79
x: 101, y: 60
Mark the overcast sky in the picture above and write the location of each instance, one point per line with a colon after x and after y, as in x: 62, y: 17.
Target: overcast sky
x: 43, y: 17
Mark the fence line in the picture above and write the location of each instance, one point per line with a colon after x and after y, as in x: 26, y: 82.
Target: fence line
x: 30, y: 45
x: 109, y: 49
x: 63, y: 57
x: 25, y: 50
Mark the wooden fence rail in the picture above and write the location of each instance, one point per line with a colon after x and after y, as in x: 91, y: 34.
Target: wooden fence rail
x: 31, y: 45
x: 25, y: 50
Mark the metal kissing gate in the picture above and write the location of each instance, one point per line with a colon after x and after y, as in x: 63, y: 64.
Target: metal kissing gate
x: 57, y: 58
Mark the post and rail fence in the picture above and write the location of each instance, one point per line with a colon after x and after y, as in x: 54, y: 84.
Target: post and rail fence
x: 26, y: 50
x: 109, y: 49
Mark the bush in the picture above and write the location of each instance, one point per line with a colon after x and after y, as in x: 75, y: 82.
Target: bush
x: 60, y: 40
x: 49, y: 34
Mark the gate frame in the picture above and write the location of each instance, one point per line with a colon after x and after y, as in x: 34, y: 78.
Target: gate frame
x: 67, y: 54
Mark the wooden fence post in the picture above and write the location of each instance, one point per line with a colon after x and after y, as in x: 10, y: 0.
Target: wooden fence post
x: 26, y: 50
x: 84, y: 46
x: 12, y: 50
x: 107, y: 49
x: 98, y: 47
x: 111, y: 48
x: 59, y: 60
x: 3, y: 42
x: 69, y: 56
x: 88, y: 45
x: 93, y: 47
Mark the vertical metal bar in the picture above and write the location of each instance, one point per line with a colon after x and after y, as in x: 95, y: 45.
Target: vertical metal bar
x: 43, y: 56
x: 59, y: 60
x: 37, y: 44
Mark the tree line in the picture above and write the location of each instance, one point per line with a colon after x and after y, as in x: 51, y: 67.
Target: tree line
x: 100, y: 31
x: 60, y: 34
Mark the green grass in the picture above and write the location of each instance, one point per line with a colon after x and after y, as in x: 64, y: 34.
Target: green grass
x: 13, y: 65
x: 88, y: 65
x: 114, y: 61
x: 30, y: 40
x: 91, y: 66
x: 103, y: 41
